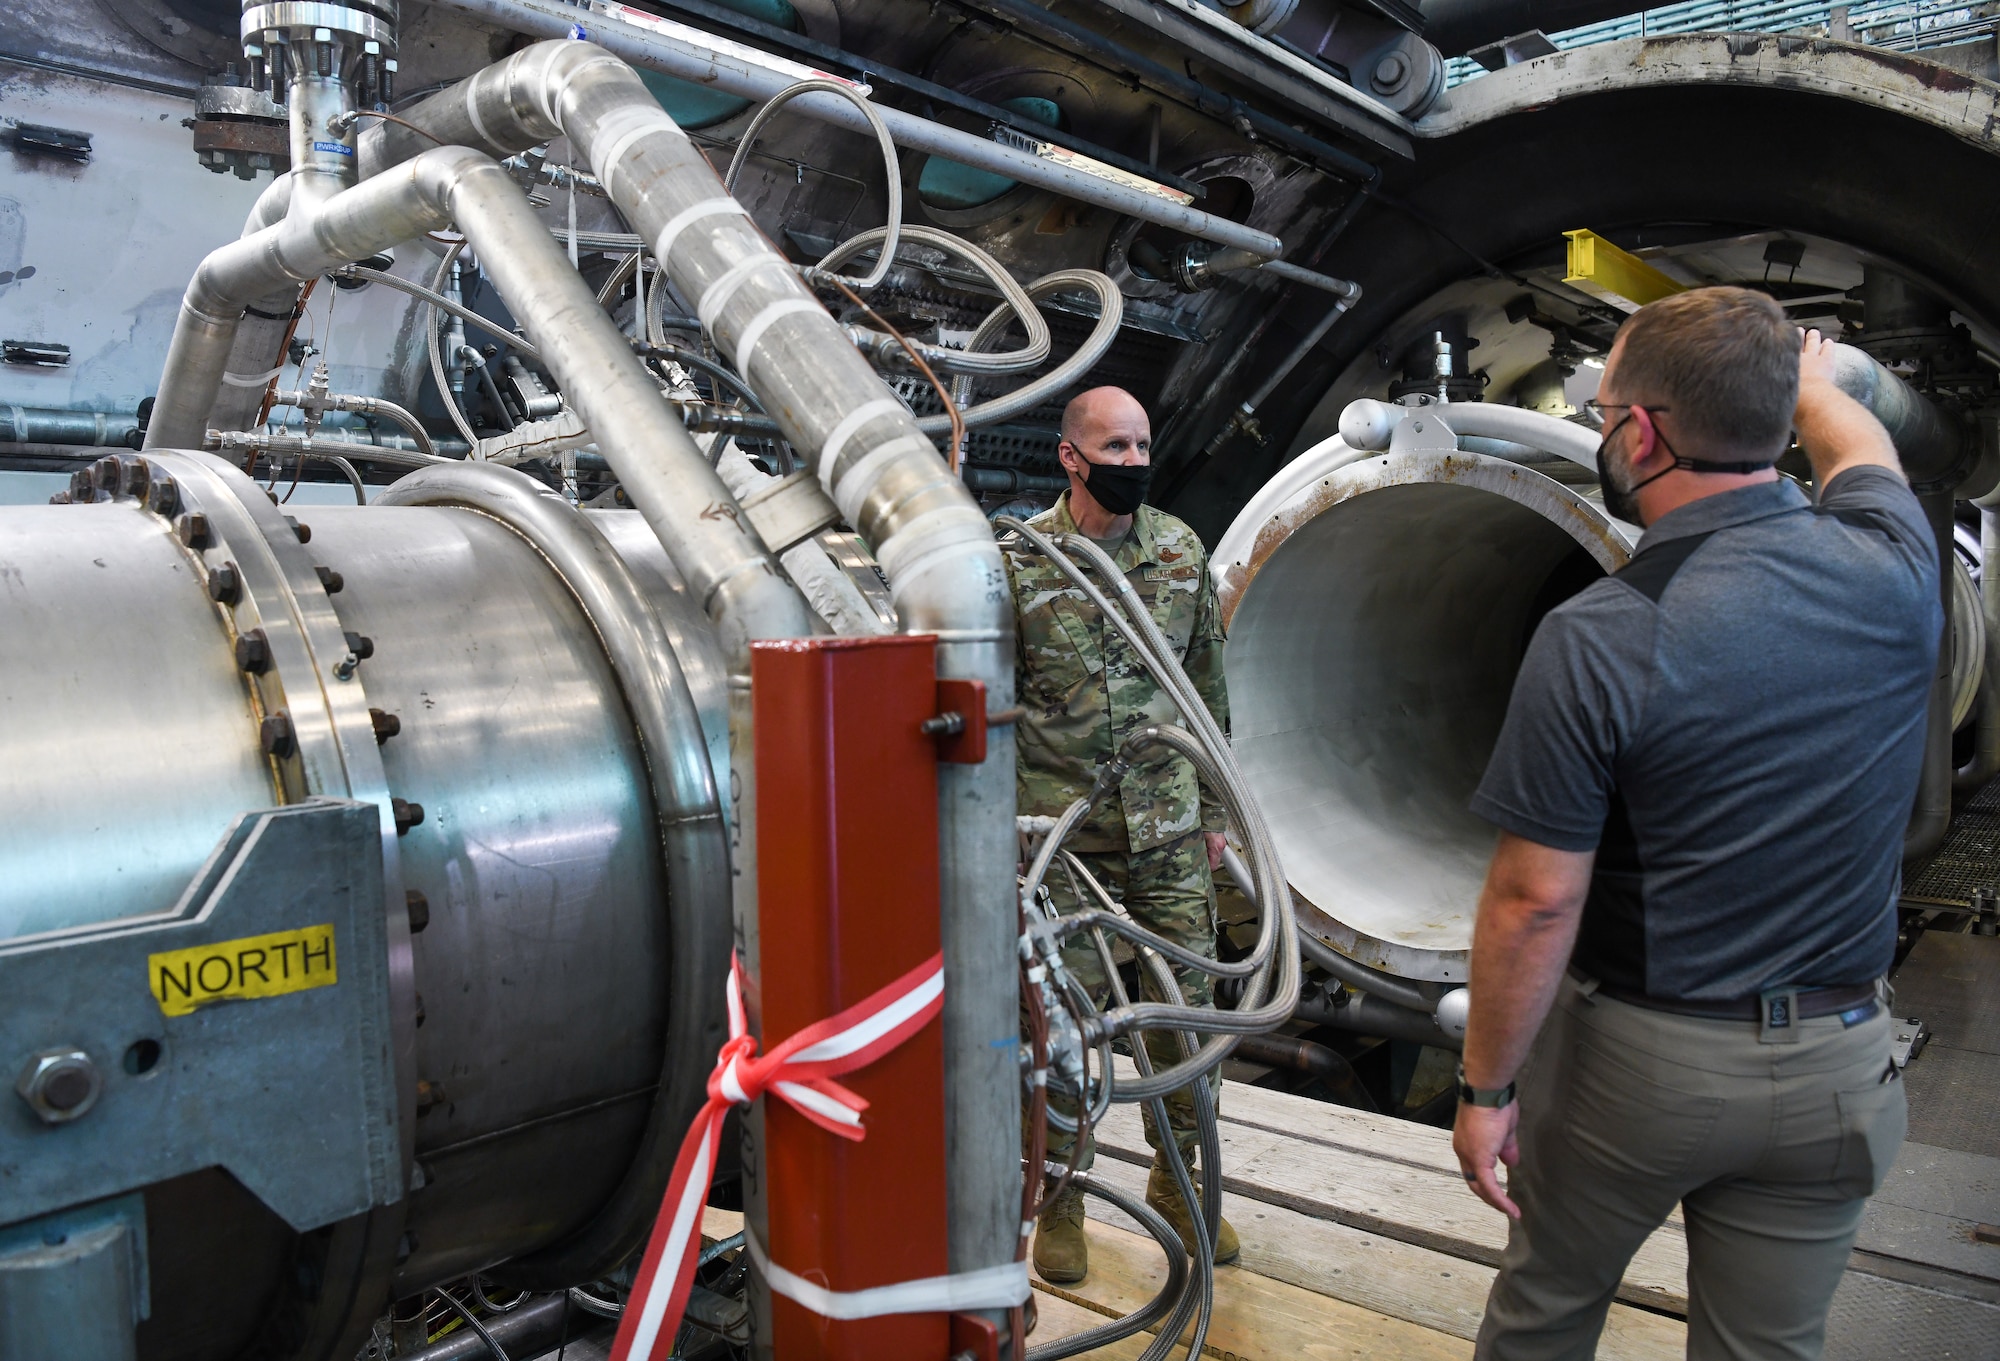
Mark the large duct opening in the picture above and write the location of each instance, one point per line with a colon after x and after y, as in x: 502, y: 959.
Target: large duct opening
x: 1372, y: 651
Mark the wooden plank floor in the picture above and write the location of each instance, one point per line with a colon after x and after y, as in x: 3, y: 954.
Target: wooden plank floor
x: 1360, y: 1239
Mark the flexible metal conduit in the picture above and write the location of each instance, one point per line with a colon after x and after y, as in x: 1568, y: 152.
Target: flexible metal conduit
x: 887, y: 480
x: 728, y: 74
x: 360, y: 404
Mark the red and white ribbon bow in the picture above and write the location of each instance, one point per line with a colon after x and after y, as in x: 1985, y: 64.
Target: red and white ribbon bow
x: 799, y: 1072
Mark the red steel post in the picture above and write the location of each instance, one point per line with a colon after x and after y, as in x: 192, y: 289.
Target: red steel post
x: 848, y: 902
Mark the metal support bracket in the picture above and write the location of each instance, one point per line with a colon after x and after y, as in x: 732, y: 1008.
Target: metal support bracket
x: 960, y: 723
x: 247, y: 1027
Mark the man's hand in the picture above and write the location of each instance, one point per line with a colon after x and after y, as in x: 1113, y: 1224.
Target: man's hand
x: 1216, y: 841
x: 1816, y: 361
x: 1482, y: 1137
x: 1836, y: 431
x: 1528, y: 917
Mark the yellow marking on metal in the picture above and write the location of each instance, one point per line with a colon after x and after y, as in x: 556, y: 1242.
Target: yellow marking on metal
x: 252, y: 966
x: 1615, y: 276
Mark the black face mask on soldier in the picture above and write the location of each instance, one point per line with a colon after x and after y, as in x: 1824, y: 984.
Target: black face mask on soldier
x: 1119, y: 488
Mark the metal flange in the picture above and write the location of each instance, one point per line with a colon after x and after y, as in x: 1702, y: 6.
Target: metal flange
x: 303, y: 677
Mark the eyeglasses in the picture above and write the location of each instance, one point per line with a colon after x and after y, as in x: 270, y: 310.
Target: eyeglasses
x: 1597, y: 408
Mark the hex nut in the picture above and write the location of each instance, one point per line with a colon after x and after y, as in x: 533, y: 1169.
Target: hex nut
x: 225, y: 584
x: 60, y: 1085
x: 193, y: 530
x: 406, y: 814
x: 277, y: 736
x: 330, y: 579
x: 419, y: 908
x: 253, y: 652
x: 104, y: 474
x: 165, y: 496
x: 303, y: 532
x: 80, y: 487
x: 387, y: 725
x: 360, y: 644
x: 135, y: 477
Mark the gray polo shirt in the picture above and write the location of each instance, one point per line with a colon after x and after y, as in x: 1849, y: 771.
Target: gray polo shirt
x: 1734, y: 722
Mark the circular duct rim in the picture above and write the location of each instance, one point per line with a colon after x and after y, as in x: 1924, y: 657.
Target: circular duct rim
x: 1586, y: 521
x: 1899, y: 82
x: 1436, y: 946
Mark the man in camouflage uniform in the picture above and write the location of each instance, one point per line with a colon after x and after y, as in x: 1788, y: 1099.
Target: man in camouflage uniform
x: 1154, y: 844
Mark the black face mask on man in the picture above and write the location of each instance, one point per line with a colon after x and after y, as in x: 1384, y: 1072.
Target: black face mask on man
x: 1119, y: 488
x: 1622, y: 503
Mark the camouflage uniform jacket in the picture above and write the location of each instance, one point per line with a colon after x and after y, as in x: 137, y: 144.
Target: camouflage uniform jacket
x: 1083, y: 691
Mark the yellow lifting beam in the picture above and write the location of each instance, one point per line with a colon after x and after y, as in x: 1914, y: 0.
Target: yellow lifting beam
x: 1614, y: 276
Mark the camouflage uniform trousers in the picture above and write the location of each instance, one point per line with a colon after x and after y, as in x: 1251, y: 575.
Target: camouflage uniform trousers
x: 1169, y: 891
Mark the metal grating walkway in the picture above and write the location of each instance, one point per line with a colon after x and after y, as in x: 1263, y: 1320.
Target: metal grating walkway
x: 1968, y: 859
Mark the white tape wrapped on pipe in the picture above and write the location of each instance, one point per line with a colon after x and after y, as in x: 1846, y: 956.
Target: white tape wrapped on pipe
x: 995, y: 1287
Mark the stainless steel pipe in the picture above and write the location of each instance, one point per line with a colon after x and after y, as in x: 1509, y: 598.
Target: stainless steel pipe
x: 1374, y: 633
x: 43, y: 425
x: 889, y: 483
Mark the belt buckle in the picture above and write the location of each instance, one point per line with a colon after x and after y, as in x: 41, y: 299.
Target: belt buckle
x: 1778, y: 1016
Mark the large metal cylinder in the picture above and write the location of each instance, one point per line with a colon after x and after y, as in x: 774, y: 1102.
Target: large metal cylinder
x: 1375, y: 630
x: 541, y: 951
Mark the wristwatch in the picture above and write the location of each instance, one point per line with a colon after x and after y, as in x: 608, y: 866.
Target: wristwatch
x: 1483, y: 1096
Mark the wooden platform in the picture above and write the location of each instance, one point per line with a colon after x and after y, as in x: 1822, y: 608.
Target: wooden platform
x: 1360, y: 1239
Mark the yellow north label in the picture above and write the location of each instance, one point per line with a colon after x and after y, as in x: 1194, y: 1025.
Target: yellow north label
x: 254, y: 966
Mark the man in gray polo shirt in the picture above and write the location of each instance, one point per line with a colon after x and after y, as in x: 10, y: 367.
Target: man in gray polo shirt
x: 1702, y: 785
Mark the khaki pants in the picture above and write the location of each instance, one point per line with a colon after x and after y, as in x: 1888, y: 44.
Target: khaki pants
x: 1770, y: 1149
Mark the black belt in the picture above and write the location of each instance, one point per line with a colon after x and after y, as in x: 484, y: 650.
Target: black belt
x: 1812, y: 1002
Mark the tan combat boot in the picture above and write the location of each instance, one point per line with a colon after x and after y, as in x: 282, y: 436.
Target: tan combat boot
x: 1062, y: 1255
x: 1163, y: 1195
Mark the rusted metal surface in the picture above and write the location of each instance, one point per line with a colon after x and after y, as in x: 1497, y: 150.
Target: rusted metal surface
x: 1375, y: 630
x: 1963, y: 105
x: 269, y: 139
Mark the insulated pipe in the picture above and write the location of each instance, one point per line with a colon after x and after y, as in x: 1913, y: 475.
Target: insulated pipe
x: 888, y: 481
x: 1365, y: 1015
x: 1928, y: 444
x: 1314, y: 1060
x: 43, y: 425
x: 1370, y: 424
x: 254, y: 357
x: 688, y: 59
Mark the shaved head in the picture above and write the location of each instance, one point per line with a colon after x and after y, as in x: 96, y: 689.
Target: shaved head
x: 1098, y: 406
